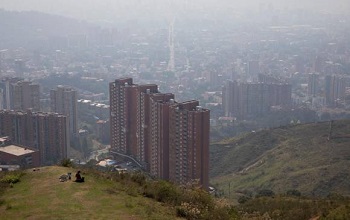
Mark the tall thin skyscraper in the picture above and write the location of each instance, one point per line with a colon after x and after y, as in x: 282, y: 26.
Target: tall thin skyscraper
x: 64, y: 101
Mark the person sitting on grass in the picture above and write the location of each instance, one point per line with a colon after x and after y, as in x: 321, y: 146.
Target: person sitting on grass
x: 78, y: 177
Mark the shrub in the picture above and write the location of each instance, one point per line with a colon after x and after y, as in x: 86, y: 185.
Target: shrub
x: 189, y: 211
x: 129, y: 204
x: 66, y: 163
x: 266, y: 193
x: 243, y: 199
x: 293, y: 192
x: 199, y: 197
x: 148, y: 190
x: 131, y: 191
x: 223, y: 213
x: 196, y: 203
x: 167, y: 192
x: 12, y: 177
x: 139, y: 178
x: 162, y: 191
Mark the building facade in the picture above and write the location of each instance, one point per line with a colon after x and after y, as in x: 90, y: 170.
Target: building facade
x: 189, y: 143
x: 118, y: 114
x: 249, y: 100
x: 144, y: 94
x: 45, y: 132
x: 63, y: 100
x: 158, y: 136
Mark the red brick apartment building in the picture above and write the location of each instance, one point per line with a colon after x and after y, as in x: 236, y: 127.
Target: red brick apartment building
x: 170, y: 139
x: 46, y: 132
x: 189, y: 143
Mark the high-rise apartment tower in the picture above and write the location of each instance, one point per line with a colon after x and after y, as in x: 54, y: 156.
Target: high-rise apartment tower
x: 169, y: 139
x: 63, y: 100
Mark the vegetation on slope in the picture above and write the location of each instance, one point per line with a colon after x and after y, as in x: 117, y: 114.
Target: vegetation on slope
x: 296, y: 208
x: 300, y: 157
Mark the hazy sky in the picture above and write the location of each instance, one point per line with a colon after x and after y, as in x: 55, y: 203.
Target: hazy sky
x: 113, y: 9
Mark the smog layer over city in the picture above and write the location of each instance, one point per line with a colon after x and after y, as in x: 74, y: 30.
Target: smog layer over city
x: 164, y: 109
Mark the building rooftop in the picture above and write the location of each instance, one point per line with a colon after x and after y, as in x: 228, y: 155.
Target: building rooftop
x: 15, y: 150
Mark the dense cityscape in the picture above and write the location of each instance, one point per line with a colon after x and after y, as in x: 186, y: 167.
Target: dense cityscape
x: 175, y: 109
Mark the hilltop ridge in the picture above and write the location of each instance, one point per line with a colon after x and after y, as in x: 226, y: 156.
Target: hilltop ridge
x: 40, y: 195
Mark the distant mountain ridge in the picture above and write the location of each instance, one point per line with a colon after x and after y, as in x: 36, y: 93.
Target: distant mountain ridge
x: 294, y: 157
x: 29, y: 28
x: 93, y: 10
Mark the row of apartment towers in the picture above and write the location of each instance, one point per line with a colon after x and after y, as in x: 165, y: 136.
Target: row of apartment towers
x: 20, y: 95
x: 22, y: 121
x: 169, y: 139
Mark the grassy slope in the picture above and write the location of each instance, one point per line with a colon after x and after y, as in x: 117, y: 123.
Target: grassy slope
x: 298, y: 157
x: 40, y: 195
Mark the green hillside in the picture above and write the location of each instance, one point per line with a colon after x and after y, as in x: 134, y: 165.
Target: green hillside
x: 295, y: 157
x: 40, y: 195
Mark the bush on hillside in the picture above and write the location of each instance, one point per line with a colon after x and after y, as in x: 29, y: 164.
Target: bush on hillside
x: 162, y: 191
x: 189, y: 211
x: 139, y: 178
x: 66, y: 163
x: 265, y: 193
x: 293, y: 192
x: 201, y: 198
x: 200, y: 205
x: 167, y: 192
x: 243, y: 199
x: 12, y: 177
